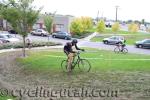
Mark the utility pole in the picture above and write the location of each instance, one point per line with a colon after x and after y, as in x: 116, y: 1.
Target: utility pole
x: 97, y: 16
x: 116, y: 12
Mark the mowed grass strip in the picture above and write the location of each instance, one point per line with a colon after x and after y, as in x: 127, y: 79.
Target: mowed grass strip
x: 131, y: 38
x: 108, y: 61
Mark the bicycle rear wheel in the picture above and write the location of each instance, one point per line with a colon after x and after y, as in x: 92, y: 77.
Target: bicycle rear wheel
x: 64, y: 65
x: 84, y: 65
x: 117, y: 50
x: 125, y: 50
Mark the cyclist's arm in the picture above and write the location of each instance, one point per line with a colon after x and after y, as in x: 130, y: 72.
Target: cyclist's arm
x: 78, y: 47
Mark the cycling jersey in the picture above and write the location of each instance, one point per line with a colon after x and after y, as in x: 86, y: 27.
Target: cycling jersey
x: 68, y: 48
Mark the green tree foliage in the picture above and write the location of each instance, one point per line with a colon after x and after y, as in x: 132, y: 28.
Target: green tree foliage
x: 48, y: 22
x: 81, y: 25
x: 21, y: 15
x: 101, y: 26
x: 133, y: 27
x: 115, y: 27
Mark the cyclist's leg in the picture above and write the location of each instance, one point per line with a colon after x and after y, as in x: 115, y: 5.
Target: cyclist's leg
x: 70, y: 59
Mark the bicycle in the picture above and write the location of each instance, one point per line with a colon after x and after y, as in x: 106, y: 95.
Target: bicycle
x: 83, y: 64
x: 119, y: 49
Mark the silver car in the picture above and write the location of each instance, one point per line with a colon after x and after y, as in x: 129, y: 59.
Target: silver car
x: 8, y: 38
x: 40, y: 32
x: 114, y: 40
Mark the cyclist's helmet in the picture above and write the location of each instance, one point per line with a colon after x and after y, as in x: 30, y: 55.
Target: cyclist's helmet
x: 74, y: 41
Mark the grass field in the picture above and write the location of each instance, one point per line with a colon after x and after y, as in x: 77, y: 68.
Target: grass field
x: 129, y: 73
x: 102, y: 60
x: 131, y: 38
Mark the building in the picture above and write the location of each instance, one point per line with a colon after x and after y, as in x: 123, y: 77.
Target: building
x: 60, y: 23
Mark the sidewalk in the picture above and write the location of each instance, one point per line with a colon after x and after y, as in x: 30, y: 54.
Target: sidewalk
x: 35, y: 48
x: 90, y: 36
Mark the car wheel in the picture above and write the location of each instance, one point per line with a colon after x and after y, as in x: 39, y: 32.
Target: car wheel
x: 42, y: 34
x: 105, y: 42
x: 54, y: 36
x: 140, y: 46
x: 32, y: 33
x: 66, y: 38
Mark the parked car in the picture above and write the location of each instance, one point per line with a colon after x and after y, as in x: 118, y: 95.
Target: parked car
x: 113, y: 40
x: 12, y: 32
x: 8, y: 38
x: 40, y: 32
x: 143, y: 43
x: 62, y: 35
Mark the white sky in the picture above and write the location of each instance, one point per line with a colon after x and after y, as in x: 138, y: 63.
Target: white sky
x: 128, y: 9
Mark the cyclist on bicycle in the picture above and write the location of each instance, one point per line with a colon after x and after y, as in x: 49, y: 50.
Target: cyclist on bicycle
x: 122, y: 45
x: 68, y: 50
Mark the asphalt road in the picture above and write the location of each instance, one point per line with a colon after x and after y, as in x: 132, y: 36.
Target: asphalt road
x: 85, y: 43
x: 100, y: 45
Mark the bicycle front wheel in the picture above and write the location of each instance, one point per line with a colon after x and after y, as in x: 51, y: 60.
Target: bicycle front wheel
x: 84, y: 65
x: 64, y: 65
x: 117, y: 50
x: 125, y: 50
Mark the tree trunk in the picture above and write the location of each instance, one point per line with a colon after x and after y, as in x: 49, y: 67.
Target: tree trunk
x: 24, y: 46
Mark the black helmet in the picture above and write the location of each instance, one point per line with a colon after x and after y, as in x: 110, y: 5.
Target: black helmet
x: 74, y: 41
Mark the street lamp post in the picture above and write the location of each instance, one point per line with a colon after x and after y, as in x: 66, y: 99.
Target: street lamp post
x: 116, y: 12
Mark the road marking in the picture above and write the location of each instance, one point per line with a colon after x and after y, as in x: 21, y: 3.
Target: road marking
x: 100, y: 58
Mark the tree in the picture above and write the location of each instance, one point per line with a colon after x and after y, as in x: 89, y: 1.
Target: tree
x: 76, y: 27
x: 115, y: 27
x: 101, y: 26
x: 48, y: 22
x: 86, y: 22
x: 143, y: 21
x: 81, y: 25
x: 133, y: 27
x: 21, y: 15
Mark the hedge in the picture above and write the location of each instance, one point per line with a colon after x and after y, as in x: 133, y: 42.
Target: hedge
x: 20, y: 45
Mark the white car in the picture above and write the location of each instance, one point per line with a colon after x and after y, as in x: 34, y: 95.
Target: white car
x: 40, y: 32
x: 9, y: 38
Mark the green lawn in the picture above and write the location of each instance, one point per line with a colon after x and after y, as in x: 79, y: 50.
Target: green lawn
x: 127, y: 73
x: 6, y: 98
x: 131, y: 38
x: 105, y: 60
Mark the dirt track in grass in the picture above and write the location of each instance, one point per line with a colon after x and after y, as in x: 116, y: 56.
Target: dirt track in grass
x: 129, y: 85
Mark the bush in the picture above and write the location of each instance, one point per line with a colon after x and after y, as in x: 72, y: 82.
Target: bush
x: 101, y: 26
x: 80, y: 26
x: 133, y: 28
x: 20, y: 45
x: 115, y: 27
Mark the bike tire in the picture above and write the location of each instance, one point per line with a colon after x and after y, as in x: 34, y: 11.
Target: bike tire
x: 125, y: 50
x: 117, y: 50
x: 64, y: 65
x: 84, y: 65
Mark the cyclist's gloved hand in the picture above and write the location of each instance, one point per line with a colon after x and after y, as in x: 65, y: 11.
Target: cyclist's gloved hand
x: 82, y: 50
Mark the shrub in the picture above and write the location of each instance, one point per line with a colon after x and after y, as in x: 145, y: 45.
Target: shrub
x: 101, y: 26
x: 20, y: 45
x: 133, y: 27
x: 115, y: 27
x: 80, y: 26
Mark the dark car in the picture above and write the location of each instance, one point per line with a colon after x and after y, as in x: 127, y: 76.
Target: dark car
x: 143, y: 43
x: 62, y: 35
x: 114, y: 40
x: 12, y: 32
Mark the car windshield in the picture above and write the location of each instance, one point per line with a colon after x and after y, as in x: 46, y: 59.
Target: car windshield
x: 144, y: 40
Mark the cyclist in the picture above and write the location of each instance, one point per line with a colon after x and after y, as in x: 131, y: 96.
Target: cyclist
x: 122, y: 45
x: 68, y: 50
x: 28, y: 41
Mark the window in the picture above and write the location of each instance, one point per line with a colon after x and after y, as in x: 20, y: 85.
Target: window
x: 59, y: 27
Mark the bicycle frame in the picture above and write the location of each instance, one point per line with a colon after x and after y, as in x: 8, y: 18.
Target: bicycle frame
x: 77, y: 61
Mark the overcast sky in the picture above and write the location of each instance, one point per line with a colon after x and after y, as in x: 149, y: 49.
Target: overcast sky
x: 128, y: 9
